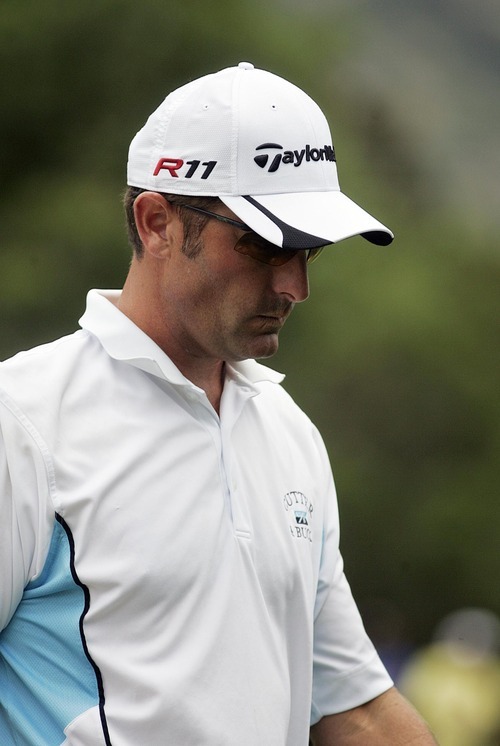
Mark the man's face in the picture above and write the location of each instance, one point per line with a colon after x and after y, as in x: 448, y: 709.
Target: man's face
x: 227, y: 306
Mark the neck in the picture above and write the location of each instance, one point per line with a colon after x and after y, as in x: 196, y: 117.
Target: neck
x: 212, y: 386
x: 206, y: 373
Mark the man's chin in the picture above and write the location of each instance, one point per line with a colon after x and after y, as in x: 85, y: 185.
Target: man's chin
x: 266, y: 346
x: 259, y: 348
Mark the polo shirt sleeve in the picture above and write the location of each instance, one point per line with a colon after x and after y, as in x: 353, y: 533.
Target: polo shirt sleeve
x: 26, y: 518
x: 347, y: 671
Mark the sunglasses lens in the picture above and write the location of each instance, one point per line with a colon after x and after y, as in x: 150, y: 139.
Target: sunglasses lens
x: 258, y: 248
x: 264, y: 251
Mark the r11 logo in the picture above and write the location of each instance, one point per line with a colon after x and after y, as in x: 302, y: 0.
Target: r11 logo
x: 172, y: 165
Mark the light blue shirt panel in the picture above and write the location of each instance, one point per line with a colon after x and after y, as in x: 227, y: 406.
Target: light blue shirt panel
x: 42, y: 654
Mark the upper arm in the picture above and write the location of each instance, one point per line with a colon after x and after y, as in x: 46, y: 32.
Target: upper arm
x: 384, y: 721
x: 26, y: 513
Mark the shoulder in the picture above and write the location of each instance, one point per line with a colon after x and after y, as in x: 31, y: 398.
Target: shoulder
x: 287, y: 425
x: 26, y: 359
x: 33, y: 382
x: 42, y: 366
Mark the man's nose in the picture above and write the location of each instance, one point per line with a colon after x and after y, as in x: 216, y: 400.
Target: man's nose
x: 291, y: 279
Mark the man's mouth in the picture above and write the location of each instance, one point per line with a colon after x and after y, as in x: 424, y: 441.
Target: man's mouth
x: 273, y: 321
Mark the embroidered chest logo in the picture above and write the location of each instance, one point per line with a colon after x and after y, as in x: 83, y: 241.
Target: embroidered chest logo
x: 299, y: 509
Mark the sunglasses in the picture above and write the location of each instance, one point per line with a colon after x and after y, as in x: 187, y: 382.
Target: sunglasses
x: 253, y: 245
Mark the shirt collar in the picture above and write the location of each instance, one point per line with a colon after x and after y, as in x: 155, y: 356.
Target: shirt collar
x: 123, y: 340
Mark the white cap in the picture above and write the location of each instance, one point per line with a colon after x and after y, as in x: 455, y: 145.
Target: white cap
x: 262, y: 146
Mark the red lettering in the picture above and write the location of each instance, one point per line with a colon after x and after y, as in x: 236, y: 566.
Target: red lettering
x: 172, y: 165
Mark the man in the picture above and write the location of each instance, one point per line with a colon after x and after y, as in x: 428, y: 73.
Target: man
x: 170, y: 570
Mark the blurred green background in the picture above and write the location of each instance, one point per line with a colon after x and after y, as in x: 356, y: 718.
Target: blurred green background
x: 396, y: 355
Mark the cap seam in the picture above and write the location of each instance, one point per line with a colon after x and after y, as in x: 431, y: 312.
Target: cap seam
x: 235, y: 93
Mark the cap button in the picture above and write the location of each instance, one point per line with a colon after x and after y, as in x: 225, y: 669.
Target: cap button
x: 246, y: 66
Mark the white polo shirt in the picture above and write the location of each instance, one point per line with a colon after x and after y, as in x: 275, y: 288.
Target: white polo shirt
x: 167, y: 576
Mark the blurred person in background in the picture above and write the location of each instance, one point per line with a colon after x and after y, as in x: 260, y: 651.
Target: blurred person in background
x: 170, y: 569
x: 455, y: 681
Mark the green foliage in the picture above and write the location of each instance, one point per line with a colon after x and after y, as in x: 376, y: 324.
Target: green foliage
x: 396, y: 355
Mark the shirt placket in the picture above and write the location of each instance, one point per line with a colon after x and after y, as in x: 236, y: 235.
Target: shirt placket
x: 220, y: 429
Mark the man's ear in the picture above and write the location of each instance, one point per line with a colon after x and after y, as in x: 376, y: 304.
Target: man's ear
x: 158, y: 224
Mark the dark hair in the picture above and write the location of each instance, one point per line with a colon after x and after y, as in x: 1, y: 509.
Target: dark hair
x: 193, y: 222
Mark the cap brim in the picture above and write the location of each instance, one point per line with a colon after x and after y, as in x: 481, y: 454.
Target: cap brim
x: 304, y: 220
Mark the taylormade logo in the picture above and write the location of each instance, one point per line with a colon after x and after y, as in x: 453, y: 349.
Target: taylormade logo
x: 296, y: 157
